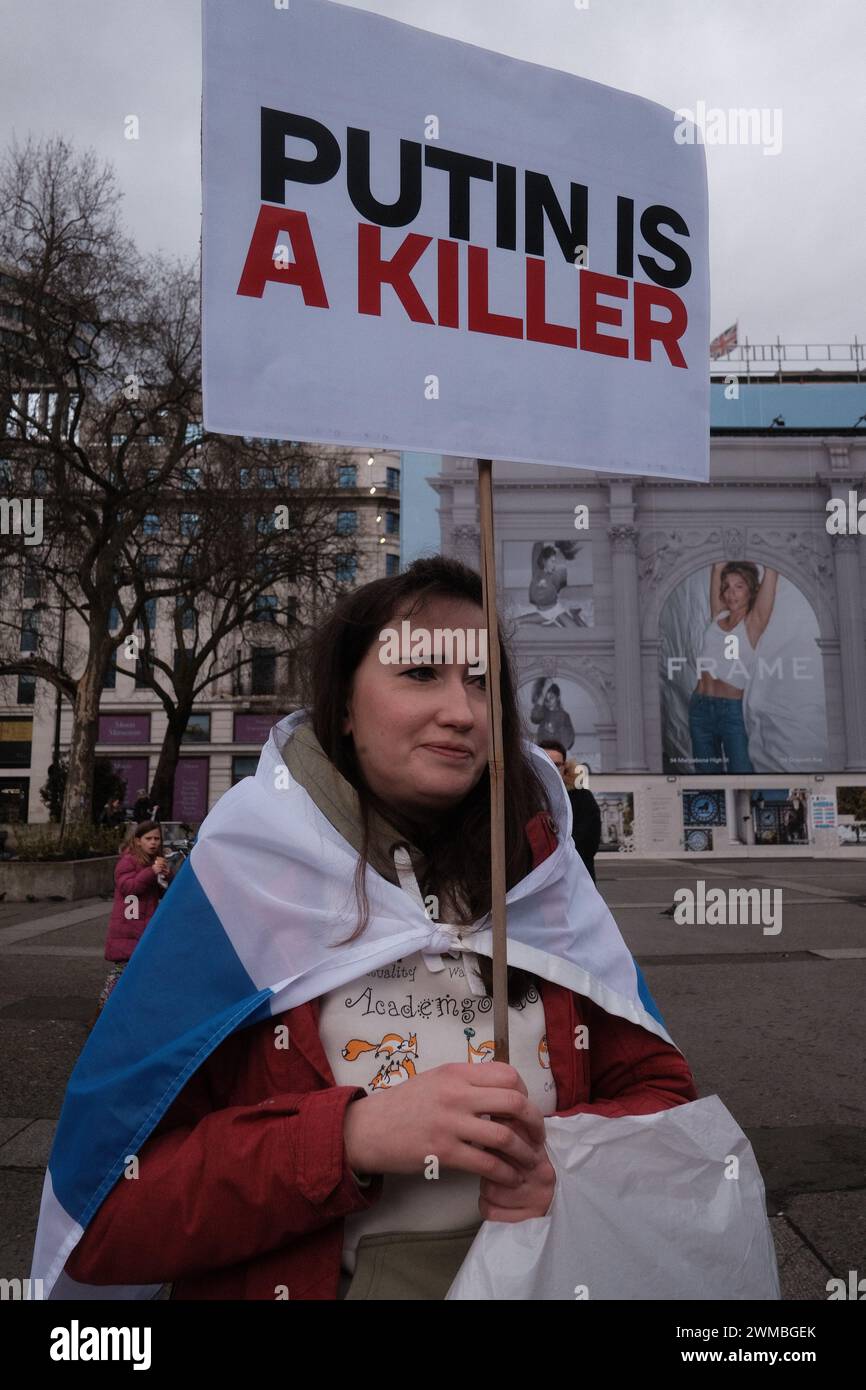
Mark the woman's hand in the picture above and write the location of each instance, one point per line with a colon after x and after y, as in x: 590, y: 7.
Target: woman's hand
x: 445, y: 1114
x: 159, y: 865
x: 531, y: 1197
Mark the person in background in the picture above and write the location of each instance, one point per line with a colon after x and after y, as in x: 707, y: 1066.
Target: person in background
x: 585, y: 815
x: 113, y: 813
x: 140, y: 878
x: 142, y: 808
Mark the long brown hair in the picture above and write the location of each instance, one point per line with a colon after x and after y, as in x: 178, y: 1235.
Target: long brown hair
x: 746, y: 571
x: 457, y: 847
x: 130, y: 845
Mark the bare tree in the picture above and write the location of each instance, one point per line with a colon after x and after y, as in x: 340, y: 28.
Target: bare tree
x: 100, y: 391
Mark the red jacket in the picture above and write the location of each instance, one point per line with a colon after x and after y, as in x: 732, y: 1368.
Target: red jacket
x: 244, y: 1184
x: 130, y: 878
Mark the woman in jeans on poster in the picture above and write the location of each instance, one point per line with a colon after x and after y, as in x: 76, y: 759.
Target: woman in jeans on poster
x: 741, y: 606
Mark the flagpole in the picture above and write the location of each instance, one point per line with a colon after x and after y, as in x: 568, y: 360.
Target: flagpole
x: 496, y: 765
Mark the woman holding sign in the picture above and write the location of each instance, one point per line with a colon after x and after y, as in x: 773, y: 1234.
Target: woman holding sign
x: 351, y: 1145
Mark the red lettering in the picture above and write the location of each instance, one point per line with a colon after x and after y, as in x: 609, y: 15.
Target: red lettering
x: 538, y: 330
x: 260, y: 267
x: 373, y: 272
x: 592, y: 284
x: 480, y: 318
x: 668, y: 332
x: 449, y: 303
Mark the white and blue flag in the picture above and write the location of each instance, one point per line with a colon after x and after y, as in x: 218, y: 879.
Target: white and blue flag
x: 245, y: 932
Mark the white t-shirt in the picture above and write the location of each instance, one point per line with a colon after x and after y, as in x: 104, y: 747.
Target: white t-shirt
x: 388, y: 1026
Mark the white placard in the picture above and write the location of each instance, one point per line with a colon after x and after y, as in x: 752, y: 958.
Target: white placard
x: 414, y: 243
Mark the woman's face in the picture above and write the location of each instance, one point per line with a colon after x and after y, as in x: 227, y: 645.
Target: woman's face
x: 151, y: 842
x: 551, y: 700
x: 735, y: 592
x: 420, y: 731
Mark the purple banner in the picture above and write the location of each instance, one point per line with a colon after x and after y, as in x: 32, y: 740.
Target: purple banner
x: 255, y: 728
x: 124, y: 728
x: 136, y: 772
x: 190, y: 789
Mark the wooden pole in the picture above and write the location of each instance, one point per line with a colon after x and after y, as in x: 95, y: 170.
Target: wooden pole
x: 496, y: 764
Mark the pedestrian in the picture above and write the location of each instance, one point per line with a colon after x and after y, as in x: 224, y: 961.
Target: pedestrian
x: 300, y: 1169
x: 137, y: 891
x: 113, y: 813
x: 585, y: 815
x: 142, y: 808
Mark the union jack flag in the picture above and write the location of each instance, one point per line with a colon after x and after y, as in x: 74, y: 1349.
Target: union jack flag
x: 725, y: 341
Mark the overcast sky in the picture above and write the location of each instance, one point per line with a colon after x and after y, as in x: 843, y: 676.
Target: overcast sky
x: 786, y: 230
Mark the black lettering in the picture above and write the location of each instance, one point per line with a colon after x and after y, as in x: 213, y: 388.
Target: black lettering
x: 460, y: 168
x: 408, y: 203
x: 277, y: 166
x: 680, y: 273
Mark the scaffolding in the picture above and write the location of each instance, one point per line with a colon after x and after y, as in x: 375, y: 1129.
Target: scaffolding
x: 774, y: 355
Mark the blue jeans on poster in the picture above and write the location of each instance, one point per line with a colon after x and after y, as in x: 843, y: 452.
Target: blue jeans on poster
x: 719, y: 739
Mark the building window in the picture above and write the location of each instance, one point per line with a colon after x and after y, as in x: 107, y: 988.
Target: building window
x: 186, y: 614
x: 392, y: 564
x: 194, y: 432
x: 16, y: 737
x: 243, y: 767
x: 188, y: 523
x: 26, y: 690
x: 392, y: 523
x: 14, y: 792
x: 32, y: 429
x: 293, y: 475
x: 347, y: 567
x: 29, y: 630
x: 346, y: 523
x: 292, y: 609
x: 265, y: 608
x: 113, y: 618
x: 39, y: 480
x: 263, y: 671
x: 197, y: 729
x: 149, y: 614
x: 31, y: 585
x: 190, y: 478
x: 150, y: 524
x: 267, y: 477
x: 392, y: 479
x: 348, y: 475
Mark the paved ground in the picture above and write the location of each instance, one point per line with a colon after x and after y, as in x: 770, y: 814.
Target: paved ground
x: 773, y: 1024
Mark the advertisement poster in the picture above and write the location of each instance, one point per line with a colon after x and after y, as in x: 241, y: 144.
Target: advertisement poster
x: 548, y: 583
x: 562, y: 710
x: 750, y: 699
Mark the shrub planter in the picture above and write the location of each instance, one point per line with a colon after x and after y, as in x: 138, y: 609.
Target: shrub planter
x: 62, y: 878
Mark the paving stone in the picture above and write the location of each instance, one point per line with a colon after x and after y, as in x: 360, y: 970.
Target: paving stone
x: 30, y: 1147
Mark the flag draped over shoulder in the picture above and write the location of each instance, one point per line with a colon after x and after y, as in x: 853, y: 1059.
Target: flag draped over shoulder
x: 245, y: 932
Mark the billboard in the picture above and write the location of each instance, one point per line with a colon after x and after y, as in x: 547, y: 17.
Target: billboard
x: 741, y: 674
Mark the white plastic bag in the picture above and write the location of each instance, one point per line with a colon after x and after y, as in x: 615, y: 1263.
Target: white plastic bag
x: 663, y: 1206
